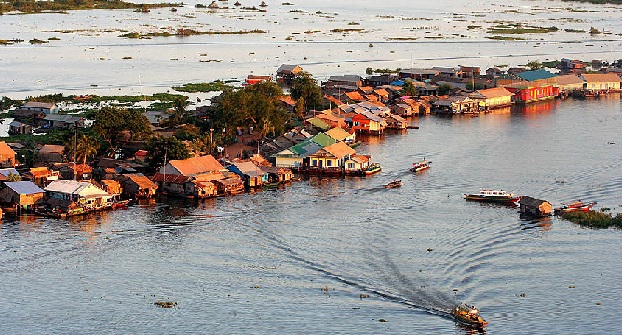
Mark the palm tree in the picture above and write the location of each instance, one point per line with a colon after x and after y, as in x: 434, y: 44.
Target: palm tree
x: 86, y: 147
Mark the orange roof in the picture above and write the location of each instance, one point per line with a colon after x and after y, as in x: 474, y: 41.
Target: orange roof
x: 360, y: 158
x: 495, y: 92
x: 6, y: 150
x: 356, y: 96
x: 366, y: 89
x: 210, y: 176
x: 288, y: 100
x: 196, y: 165
x: 338, y: 133
x: 333, y: 99
x: 602, y: 78
x: 339, y: 150
x: 141, y: 181
x: 381, y: 92
x: 568, y: 79
x: 51, y: 148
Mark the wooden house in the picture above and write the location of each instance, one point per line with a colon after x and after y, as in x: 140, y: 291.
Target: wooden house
x: 85, y: 195
x: 62, y: 121
x: 51, y: 153
x: 21, y: 194
x: 527, y: 92
x: 278, y: 174
x: 202, y: 189
x: 19, y: 128
x: 396, y: 122
x: 137, y: 186
x: 418, y: 74
x: 7, y: 155
x: 601, y: 82
x: 39, y: 107
x: 535, y: 207
x: 111, y: 186
x: 367, y: 122
x: 456, y: 104
x: 495, y: 97
x: 192, y: 166
x: 74, y: 171
x: 331, y: 120
x: 356, y: 164
x: 339, y: 134
x: 294, y: 156
x: 173, y: 184
x: 568, y: 82
x: 230, y: 186
x: 41, y: 176
x: 330, y: 159
x: 252, y: 175
x: 286, y: 74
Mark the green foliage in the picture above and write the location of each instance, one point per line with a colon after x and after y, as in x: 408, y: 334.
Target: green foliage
x: 32, y: 6
x: 594, y: 219
x: 118, y: 126
x: 6, y: 103
x: 551, y: 64
x: 202, y: 87
x: 534, y: 65
x: 409, y: 89
x: 159, y: 147
x: 305, y: 86
x: 255, y: 105
x: 14, y: 177
x: 443, y: 89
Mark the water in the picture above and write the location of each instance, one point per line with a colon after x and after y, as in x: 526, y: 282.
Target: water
x: 91, y: 58
x: 337, y: 255
x: 331, y: 255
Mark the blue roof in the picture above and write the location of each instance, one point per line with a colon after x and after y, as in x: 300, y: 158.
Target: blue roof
x: 536, y: 74
x: 6, y: 172
x: 23, y: 187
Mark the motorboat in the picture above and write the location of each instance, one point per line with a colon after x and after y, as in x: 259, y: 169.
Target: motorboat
x: 468, y: 316
x: 492, y: 196
x: 420, y: 166
x: 394, y: 184
x: 373, y: 168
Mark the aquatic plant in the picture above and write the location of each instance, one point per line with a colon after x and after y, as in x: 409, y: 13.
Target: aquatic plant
x: 594, y: 219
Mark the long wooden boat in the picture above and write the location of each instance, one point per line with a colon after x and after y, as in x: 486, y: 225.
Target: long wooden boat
x: 420, y: 166
x: 468, y: 316
x: 394, y: 184
x: 577, y: 206
x: 492, y: 196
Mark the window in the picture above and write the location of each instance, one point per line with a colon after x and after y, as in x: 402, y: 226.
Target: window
x: 314, y: 162
x: 329, y: 163
x: 350, y: 165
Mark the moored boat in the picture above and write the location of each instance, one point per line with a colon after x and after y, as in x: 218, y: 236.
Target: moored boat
x: 394, y: 184
x: 468, y: 316
x: 577, y: 206
x: 373, y: 168
x: 420, y: 166
x: 492, y: 196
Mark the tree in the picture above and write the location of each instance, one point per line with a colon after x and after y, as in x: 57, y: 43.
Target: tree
x: 118, y: 126
x: 86, y: 147
x: 159, y: 147
x: 304, y: 86
x: 179, y: 114
x: 534, y: 65
x: 443, y: 89
x: 409, y: 89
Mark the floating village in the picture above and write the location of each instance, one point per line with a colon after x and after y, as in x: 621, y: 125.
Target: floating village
x: 70, y: 176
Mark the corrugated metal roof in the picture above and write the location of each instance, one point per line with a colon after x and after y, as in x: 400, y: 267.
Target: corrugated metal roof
x: 70, y: 187
x: 23, y: 187
x: 5, y: 149
x: 196, y: 165
x: 8, y: 171
x: 602, y: 78
x: 536, y: 75
x: 323, y: 140
x: 340, y: 150
x: 495, y: 92
x: 338, y: 134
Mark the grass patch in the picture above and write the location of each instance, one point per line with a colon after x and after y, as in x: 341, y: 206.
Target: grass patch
x: 570, y: 30
x: 189, y: 32
x: 346, y: 30
x: 594, y: 219
x: 505, y: 30
x: 505, y: 38
x: 202, y: 87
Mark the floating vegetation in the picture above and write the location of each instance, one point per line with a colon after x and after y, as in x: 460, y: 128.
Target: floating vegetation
x: 570, y: 30
x: 518, y: 29
x: 127, y: 57
x: 165, y: 304
x: 505, y: 38
x: 594, y: 219
x: 189, y: 32
x: 37, y: 41
x: 27, y: 7
x: 53, y: 39
x: 202, y: 87
x: 594, y: 31
x: 401, y: 38
x: 9, y: 42
x: 473, y: 27
x: 346, y: 30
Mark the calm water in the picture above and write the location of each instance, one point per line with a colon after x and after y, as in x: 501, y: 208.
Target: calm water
x: 296, y: 260
x: 90, y: 57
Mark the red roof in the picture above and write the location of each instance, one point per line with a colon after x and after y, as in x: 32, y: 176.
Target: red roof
x: 196, y: 165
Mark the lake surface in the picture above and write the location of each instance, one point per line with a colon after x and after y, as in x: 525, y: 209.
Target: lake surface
x: 91, y: 58
x: 327, y: 256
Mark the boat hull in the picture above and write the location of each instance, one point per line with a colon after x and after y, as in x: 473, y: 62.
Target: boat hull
x: 497, y: 199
